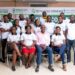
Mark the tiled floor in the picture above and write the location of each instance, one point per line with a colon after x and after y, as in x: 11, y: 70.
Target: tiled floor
x: 20, y: 70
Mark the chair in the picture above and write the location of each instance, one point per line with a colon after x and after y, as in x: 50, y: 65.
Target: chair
x: 9, y: 55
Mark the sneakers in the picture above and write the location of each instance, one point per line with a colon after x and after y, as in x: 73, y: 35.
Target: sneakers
x: 50, y: 68
x: 2, y: 60
x: 37, y: 69
x: 13, y: 68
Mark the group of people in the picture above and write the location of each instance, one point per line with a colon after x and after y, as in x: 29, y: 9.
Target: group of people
x: 33, y: 36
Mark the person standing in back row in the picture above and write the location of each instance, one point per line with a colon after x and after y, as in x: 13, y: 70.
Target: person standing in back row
x: 5, y: 30
x: 70, y: 38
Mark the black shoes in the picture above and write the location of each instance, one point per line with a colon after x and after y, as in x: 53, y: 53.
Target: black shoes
x: 50, y: 68
x: 37, y: 69
x: 13, y: 68
x: 2, y: 60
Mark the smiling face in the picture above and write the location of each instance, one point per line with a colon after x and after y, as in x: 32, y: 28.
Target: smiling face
x: 37, y: 22
x: 21, y: 17
x: 9, y: 15
x: 48, y: 18
x: 43, y: 28
x: 57, y: 30
x: 72, y: 18
x: 44, y: 14
x: 28, y: 21
x: 62, y: 15
x: 60, y: 19
x: 17, y: 22
x: 13, y: 30
x: 5, y: 18
x: 28, y: 29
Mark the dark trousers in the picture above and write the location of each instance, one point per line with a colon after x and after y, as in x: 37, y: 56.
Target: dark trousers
x: 3, y: 42
x: 70, y: 43
x: 61, y: 51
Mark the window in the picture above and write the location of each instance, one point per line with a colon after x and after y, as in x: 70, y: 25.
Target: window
x: 38, y: 5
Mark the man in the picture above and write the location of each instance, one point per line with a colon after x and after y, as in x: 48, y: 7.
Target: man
x: 49, y: 25
x: 58, y: 44
x: 5, y: 29
x: 32, y: 18
x: 43, y: 18
x: 22, y: 21
x: 71, y: 38
x: 43, y: 43
x: 65, y: 20
x: 10, y: 18
x: 61, y: 24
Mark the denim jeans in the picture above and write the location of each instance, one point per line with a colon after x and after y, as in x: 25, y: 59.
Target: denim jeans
x: 70, y: 43
x: 61, y: 51
x: 39, y: 54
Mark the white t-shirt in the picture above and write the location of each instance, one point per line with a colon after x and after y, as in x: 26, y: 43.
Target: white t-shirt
x: 66, y: 21
x: 37, y: 29
x: 62, y: 26
x: 23, y: 28
x: 0, y: 32
x: 6, y: 26
x: 18, y: 30
x: 71, y: 31
x: 50, y: 27
x: 22, y: 23
x: 42, y: 20
x: 58, y: 39
x: 28, y: 39
x: 13, y: 38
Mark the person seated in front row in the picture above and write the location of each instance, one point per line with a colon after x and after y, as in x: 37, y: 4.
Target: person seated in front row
x: 28, y: 41
x: 14, y: 42
x: 58, y: 44
x: 43, y: 42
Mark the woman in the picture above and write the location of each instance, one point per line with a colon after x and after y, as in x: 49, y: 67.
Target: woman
x: 28, y: 41
x: 37, y: 26
x: 18, y: 28
x: 14, y: 41
x: 58, y: 43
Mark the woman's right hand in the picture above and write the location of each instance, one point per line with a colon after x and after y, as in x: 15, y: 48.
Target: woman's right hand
x: 28, y: 47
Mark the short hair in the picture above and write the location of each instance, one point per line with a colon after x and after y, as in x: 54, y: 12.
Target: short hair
x: 9, y: 13
x: 59, y: 16
x: 31, y: 15
x: 61, y: 12
x: 35, y: 20
x: 28, y: 26
x: 49, y: 16
x: 15, y: 21
x: 71, y: 16
x: 13, y: 27
x: 5, y: 16
x: 57, y: 27
x: 44, y: 12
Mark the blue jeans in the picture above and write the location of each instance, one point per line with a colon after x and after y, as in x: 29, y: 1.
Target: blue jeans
x: 39, y: 54
x: 61, y: 51
x: 70, y: 43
